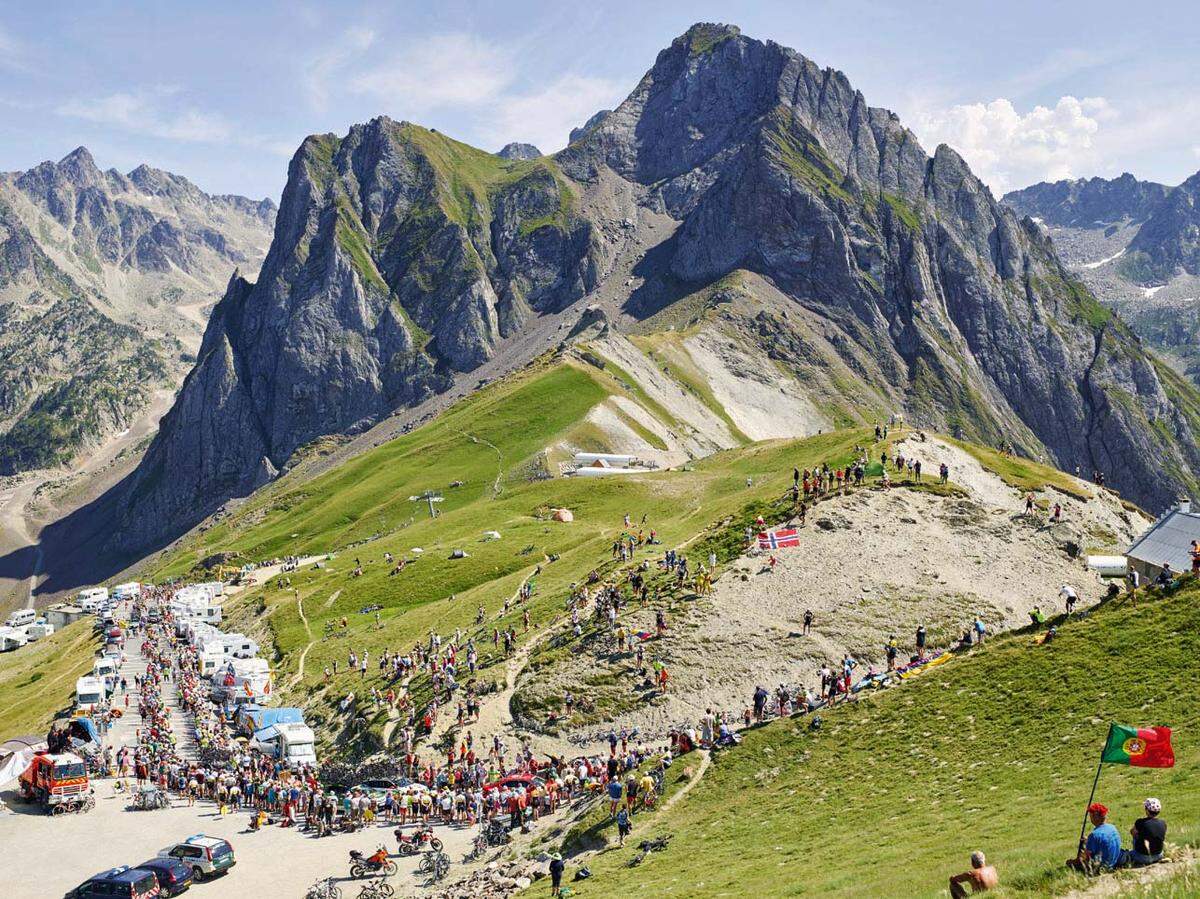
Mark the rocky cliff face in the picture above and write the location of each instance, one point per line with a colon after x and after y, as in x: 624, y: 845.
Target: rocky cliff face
x: 402, y: 257
x: 103, y: 278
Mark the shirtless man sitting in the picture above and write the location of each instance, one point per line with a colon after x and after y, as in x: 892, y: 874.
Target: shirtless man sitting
x: 982, y: 877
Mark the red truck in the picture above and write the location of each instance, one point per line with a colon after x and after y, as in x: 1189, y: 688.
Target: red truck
x: 59, y: 783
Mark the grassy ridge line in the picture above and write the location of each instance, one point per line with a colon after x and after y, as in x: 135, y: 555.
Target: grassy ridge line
x: 993, y: 751
x: 1023, y: 474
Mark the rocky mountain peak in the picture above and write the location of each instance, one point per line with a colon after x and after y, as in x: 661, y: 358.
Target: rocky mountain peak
x: 403, y: 257
x: 79, y: 168
x: 519, y: 151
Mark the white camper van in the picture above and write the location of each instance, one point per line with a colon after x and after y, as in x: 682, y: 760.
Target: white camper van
x: 93, y: 598
x: 38, y: 630
x: 242, y: 680
x: 21, y: 618
x: 89, y: 693
x: 105, y: 669
x: 122, y: 592
x: 12, y: 638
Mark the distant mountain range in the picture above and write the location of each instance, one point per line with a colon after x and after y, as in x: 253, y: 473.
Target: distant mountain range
x: 105, y: 284
x: 741, y: 193
x: 1136, y: 244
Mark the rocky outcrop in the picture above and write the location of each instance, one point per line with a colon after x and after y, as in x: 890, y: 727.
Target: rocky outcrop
x: 402, y: 257
x: 1088, y: 202
x: 592, y: 122
x: 517, y: 151
x: 930, y: 288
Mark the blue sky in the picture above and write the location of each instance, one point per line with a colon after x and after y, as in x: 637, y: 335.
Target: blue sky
x: 224, y: 92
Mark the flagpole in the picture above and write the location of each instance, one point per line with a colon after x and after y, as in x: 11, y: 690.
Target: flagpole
x: 1091, y: 798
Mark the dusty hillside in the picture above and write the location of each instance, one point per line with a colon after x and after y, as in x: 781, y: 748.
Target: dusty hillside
x: 873, y: 564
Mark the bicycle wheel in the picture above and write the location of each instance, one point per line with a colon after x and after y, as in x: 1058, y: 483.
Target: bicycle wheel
x: 60, y: 809
x: 426, y: 865
x: 441, y: 867
x: 384, y: 888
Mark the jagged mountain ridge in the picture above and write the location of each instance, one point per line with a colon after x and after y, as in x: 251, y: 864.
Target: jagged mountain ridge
x: 103, y: 280
x: 1136, y: 244
x: 1088, y: 202
x: 402, y: 258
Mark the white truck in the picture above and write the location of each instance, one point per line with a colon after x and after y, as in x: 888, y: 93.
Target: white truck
x: 90, y: 692
x: 291, y: 743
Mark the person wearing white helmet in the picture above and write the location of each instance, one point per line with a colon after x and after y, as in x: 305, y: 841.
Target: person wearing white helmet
x: 1148, y: 835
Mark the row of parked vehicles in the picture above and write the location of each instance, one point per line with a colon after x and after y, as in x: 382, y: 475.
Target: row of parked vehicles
x: 22, y: 627
x: 169, y: 873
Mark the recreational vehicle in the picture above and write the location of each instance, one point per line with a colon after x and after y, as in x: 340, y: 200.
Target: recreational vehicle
x: 21, y: 618
x: 89, y: 693
x: 93, y: 598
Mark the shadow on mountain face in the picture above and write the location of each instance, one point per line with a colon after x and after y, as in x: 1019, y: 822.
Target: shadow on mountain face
x: 659, y: 287
x: 75, y: 549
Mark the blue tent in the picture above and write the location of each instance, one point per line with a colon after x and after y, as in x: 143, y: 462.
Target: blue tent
x: 85, y: 729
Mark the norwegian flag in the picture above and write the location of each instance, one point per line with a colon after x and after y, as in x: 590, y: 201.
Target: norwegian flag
x: 779, y: 538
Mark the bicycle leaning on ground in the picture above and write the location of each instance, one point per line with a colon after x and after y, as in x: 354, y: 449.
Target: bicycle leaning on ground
x: 436, y: 864
x: 324, y: 889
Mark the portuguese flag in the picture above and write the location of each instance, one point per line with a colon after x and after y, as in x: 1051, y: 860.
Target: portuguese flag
x: 1144, y: 747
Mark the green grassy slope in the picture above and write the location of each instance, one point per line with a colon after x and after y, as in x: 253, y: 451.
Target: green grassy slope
x: 38, y: 680
x: 994, y: 751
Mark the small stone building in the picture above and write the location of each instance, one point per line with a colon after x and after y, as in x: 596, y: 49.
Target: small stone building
x: 1168, y: 540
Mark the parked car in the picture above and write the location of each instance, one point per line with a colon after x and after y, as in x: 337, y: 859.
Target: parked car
x: 206, y: 856
x: 135, y: 883
x: 378, y: 786
x: 174, y: 877
x: 513, y: 782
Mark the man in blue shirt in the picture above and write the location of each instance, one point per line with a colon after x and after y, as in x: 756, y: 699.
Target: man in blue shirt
x: 615, y: 790
x: 1103, y: 848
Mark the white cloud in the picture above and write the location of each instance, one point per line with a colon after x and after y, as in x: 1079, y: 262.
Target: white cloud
x: 545, y: 117
x: 325, y: 69
x: 146, y: 112
x: 1008, y: 149
x: 444, y: 70
x: 14, y: 56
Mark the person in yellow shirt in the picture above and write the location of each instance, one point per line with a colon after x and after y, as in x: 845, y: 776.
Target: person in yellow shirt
x: 646, y: 788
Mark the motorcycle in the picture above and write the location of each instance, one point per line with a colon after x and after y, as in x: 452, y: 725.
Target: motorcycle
x: 376, y: 864
x: 413, y: 844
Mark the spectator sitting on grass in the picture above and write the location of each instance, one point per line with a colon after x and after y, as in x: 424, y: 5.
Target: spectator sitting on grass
x: 1102, y: 851
x: 981, y: 876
